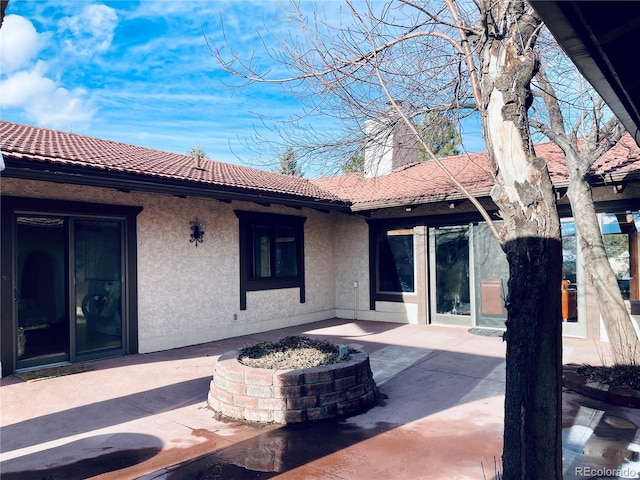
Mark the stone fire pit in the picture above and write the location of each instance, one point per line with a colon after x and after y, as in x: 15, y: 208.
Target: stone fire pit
x: 291, y: 396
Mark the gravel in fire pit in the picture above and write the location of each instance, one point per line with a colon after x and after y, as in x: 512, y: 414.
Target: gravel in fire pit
x: 290, y: 353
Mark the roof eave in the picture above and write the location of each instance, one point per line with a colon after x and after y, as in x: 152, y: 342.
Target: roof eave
x: 559, y: 183
x: 413, y: 201
x: 175, y: 187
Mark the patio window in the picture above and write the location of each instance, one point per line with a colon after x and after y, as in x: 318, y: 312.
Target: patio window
x: 271, y: 253
x: 395, y: 261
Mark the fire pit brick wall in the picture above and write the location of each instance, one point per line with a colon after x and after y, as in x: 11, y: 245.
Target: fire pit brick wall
x: 291, y: 396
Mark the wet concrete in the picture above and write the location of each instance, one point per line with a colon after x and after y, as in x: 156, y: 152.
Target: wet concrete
x: 600, y: 440
x: 276, y: 451
x: 108, y: 459
x: 439, y: 416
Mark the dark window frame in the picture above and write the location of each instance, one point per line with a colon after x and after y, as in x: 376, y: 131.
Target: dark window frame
x: 377, y: 228
x: 381, y: 256
x: 248, y: 283
x: 13, y: 206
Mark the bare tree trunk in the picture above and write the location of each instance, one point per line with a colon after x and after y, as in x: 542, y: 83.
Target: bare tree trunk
x: 622, y: 336
x: 524, y: 194
x: 3, y: 7
x: 532, y: 424
x: 489, y: 66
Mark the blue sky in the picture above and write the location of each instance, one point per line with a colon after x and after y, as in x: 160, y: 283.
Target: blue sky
x: 139, y: 72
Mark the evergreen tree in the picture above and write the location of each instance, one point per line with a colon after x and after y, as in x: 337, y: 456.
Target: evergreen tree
x: 198, y: 153
x: 289, y: 164
x: 441, y: 135
x: 354, y: 164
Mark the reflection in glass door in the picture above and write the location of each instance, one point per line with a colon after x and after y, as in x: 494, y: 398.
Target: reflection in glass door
x: 491, y: 272
x: 64, y: 316
x: 452, y: 293
x: 469, y: 276
x: 620, y: 234
x: 573, y: 283
x: 98, y: 285
x: 569, y: 272
x: 41, y: 291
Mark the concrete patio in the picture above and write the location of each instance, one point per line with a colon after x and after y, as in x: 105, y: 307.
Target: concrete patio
x: 439, y: 415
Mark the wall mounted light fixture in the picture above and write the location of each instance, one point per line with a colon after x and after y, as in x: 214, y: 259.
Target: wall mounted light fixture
x: 197, y: 232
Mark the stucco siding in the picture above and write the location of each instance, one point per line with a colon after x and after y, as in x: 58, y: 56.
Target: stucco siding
x: 188, y: 294
x: 269, y: 309
x: 194, y: 297
x: 351, y: 265
x: 397, y: 312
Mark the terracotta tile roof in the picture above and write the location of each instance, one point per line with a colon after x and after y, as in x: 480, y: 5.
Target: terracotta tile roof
x: 407, y: 185
x: 412, y: 184
x: 62, y: 148
x: 619, y: 162
x: 426, y: 182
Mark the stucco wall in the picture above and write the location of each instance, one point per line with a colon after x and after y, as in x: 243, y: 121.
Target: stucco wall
x: 189, y: 295
x: 352, y: 265
x: 399, y: 312
x: 351, y: 240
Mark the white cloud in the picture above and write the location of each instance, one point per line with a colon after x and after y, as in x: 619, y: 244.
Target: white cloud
x: 91, y: 30
x: 21, y: 87
x: 44, y: 101
x: 63, y: 109
x: 32, y: 88
x: 19, y: 43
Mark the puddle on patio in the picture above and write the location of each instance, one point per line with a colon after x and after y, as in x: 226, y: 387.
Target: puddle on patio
x: 596, y: 444
x: 600, y: 445
x: 276, y: 451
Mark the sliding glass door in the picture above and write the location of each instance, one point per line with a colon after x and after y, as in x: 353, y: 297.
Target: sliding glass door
x: 69, y: 284
x: 41, y: 290
x: 97, y: 246
x: 451, y: 291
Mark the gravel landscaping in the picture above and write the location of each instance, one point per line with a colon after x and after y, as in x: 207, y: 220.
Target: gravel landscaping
x: 618, y: 376
x: 290, y: 353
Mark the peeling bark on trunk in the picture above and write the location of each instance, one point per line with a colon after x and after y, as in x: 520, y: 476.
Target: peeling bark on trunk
x: 622, y: 336
x: 531, y: 241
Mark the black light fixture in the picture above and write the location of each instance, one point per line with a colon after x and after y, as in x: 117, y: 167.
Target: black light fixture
x: 197, y: 232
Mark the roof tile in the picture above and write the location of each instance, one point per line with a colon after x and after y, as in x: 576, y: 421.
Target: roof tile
x: 51, y: 146
x: 426, y: 181
x: 410, y: 184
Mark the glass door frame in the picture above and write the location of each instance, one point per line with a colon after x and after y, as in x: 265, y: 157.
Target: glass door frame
x: 73, y: 290
x: 578, y: 328
x: 11, y: 207
x: 571, y: 329
x: 70, y: 268
x: 446, y: 318
x: 41, y: 324
x: 489, y: 278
